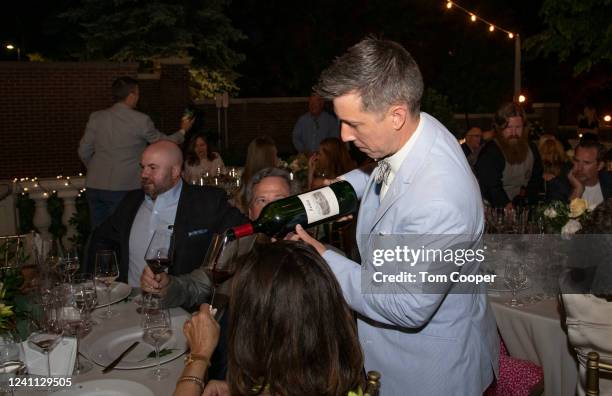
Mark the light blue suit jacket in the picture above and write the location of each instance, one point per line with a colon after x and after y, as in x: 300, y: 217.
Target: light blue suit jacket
x: 423, y: 344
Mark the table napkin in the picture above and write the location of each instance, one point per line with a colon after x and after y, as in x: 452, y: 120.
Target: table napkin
x: 62, y: 358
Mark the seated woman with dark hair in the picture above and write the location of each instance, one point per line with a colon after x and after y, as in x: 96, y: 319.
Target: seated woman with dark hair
x: 330, y: 161
x: 291, y: 332
x: 200, y: 160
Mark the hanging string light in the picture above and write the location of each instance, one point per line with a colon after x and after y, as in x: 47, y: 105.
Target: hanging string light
x: 474, y: 18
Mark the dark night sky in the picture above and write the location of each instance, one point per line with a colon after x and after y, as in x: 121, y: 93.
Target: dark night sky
x: 289, y: 43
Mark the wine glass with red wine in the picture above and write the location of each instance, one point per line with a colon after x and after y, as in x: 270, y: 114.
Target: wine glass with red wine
x: 219, y: 263
x: 159, y: 252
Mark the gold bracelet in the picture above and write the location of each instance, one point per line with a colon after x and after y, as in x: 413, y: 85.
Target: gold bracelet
x: 191, y: 378
x: 192, y: 357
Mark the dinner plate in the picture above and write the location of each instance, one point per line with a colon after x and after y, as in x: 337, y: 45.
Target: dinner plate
x: 107, y: 387
x: 118, y: 292
x: 500, y: 285
x: 106, y: 348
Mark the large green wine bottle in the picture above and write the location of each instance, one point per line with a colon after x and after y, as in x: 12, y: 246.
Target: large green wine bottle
x: 307, y: 209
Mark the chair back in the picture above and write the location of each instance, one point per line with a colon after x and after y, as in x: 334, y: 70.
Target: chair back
x: 373, y: 384
x: 592, y: 373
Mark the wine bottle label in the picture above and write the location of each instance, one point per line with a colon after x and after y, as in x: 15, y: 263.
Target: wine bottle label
x: 320, y: 204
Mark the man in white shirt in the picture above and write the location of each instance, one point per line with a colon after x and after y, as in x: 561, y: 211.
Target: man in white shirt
x: 588, y: 179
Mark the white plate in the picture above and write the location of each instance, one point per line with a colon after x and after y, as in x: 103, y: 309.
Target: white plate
x: 106, y: 348
x: 107, y: 387
x: 118, y: 292
x: 500, y: 285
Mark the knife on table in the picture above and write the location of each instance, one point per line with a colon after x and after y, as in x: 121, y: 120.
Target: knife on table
x: 123, y: 354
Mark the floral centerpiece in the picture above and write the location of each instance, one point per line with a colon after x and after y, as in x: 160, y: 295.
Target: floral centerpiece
x: 298, y: 166
x: 566, y: 219
x: 15, y: 308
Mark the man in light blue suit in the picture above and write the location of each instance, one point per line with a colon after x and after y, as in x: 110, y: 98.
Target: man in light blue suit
x: 424, y: 339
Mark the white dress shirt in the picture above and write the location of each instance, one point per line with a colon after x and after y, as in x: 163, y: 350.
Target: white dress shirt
x: 152, y: 215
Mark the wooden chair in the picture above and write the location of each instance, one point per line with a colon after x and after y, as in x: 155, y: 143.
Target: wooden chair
x: 373, y: 384
x: 592, y: 373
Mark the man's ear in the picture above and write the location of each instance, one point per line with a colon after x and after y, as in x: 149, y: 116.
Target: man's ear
x: 176, y: 171
x: 601, y: 165
x: 399, y: 114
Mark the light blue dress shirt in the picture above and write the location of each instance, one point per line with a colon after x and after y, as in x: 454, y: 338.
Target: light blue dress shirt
x: 309, y: 131
x: 152, y: 215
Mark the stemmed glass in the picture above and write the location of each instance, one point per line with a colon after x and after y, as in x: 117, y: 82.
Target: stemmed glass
x: 218, y: 266
x: 74, y: 312
x: 88, y: 285
x: 156, y: 331
x: 69, y: 264
x: 107, y: 271
x: 515, y: 277
x: 159, y: 253
x: 51, y: 328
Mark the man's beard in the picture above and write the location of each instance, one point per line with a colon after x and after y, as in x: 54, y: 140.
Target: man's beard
x: 515, y: 149
x: 153, y: 190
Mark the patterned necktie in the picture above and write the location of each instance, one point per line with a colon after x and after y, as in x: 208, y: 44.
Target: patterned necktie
x: 382, y: 171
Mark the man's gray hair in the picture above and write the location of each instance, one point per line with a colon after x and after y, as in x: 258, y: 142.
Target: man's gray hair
x: 382, y: 72
x: 268, y: 172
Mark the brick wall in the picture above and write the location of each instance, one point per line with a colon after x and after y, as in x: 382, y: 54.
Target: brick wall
x: 44, y: 107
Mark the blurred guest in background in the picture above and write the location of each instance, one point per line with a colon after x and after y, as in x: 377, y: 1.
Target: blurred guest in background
x: 112, y: 144
x: 306, y: 345
x: 509, y: 168
x: 200, y: 161
x: 472, y: 145
x: 488, y: 135
x: 587, y: 179
x: 554, y: 159
x: 331, y: 160
x: 588, y: 121
x: 314, y: 126
x: 261, y: 154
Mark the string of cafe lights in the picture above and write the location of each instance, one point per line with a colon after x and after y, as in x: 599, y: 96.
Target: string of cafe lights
x: 36, y: 184
x: 474, y: 18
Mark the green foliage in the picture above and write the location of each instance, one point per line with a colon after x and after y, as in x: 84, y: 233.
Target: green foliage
x: 206, y: 83
x: 55, y: 207
x: 439, y: 106
x: 26, y: 207
x: 81, y: 222
x: 576, y: 30
x: 139, y: 30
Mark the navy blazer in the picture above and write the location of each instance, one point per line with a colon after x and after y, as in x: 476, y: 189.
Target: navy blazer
x: 201, y: 212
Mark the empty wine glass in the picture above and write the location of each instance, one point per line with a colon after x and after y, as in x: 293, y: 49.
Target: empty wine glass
x: 107, y: 271
x: 74, y: 317
x: 156, y: 331
x: 88, y: 284
x: 69, y: 264
x: 47, y: 339
x: 515, y: 278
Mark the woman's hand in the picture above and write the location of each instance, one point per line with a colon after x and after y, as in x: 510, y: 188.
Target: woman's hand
x: 202, y: 331
x: 216, y: 388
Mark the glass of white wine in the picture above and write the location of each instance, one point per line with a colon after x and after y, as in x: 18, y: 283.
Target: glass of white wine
x: 106, y: 271
x: 156, y: 331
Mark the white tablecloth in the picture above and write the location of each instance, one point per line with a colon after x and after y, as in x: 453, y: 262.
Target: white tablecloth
x: 129, y: 317
x: 534, y: 332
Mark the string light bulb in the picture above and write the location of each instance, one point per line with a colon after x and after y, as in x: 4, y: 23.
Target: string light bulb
x: 473, y: 18
x: 607, y: 118
x: 510, y: 35
x: 522, y: 98
x: 449, y: 5
x: 491, y: 28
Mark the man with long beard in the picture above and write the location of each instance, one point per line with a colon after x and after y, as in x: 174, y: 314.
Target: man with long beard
x: 509, y: 168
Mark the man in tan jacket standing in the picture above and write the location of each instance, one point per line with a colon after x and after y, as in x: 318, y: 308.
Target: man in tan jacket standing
x: 111, y: 147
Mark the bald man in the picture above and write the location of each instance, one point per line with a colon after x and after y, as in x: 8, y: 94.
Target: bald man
x: 194, y: 213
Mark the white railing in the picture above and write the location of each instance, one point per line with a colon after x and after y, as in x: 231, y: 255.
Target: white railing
x: 39, y: 190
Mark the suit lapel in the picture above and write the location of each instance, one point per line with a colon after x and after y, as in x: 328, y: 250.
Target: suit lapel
x: 410, y: 168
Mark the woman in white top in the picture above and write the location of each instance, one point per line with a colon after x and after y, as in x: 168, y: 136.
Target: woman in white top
x: 199, y: 160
